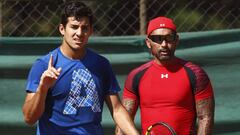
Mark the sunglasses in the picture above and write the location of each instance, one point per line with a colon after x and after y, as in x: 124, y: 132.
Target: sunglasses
x: 159, y: 38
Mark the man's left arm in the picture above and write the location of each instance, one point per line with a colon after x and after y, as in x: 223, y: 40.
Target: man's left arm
x: 205, y: 115
x: 120, y: 115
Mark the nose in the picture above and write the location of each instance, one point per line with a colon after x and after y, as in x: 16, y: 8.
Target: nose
x: 164, y: 43
x: 79, y: 32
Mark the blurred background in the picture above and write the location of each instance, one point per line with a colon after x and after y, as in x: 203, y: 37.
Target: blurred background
x: 36, y: 18
x: 209, y: 36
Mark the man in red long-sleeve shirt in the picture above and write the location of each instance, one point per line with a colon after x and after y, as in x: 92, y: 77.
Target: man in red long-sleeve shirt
x: 169, y: 89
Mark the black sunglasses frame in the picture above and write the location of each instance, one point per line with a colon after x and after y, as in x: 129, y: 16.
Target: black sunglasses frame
x: 159, y: 38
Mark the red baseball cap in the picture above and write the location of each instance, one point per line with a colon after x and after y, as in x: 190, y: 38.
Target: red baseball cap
x: 160, y: 22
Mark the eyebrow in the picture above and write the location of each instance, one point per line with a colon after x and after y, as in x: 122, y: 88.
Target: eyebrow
x: 74, y: 24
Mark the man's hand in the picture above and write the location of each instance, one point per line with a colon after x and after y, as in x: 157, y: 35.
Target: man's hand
x: 50, y: 75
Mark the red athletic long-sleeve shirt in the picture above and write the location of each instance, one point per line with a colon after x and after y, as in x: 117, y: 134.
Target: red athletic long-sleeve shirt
x: 165, y: 93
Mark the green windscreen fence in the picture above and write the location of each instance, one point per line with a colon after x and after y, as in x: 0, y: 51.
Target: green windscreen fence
x: 218, y: 52
x: 119, y: 44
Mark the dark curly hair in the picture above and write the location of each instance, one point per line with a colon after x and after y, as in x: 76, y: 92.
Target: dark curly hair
x: 76, y: 9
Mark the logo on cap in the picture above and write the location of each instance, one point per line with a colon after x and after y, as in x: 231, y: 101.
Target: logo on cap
x: 160, y: 22
x: 162, y: 25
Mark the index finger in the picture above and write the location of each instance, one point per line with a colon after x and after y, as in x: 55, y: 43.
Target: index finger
x: 50, y: 63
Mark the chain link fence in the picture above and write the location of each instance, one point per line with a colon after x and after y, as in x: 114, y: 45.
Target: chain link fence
x: 37, y: 18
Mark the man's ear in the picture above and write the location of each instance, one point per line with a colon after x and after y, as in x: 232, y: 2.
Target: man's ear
x: 148, y: 43
x: 61, y: 29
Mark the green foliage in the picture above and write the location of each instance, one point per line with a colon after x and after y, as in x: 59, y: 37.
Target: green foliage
x: 194, y: 20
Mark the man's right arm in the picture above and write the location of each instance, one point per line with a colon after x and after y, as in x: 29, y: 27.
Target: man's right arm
x: 131, y: 106
x: 34, y: 105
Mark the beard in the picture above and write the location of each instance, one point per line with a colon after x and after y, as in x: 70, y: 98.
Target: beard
x: 164, y: 54
x: 164, y: 58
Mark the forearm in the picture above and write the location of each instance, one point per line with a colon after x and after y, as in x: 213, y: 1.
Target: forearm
x: 124, y: 122
x: 120, y: 115
x: 131, y: 107
x: 205, y: 116
x: 205, y: 125
x: 34, y: 106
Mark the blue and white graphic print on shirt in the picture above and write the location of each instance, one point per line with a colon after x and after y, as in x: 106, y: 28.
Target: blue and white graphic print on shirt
x: 82, y: 93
